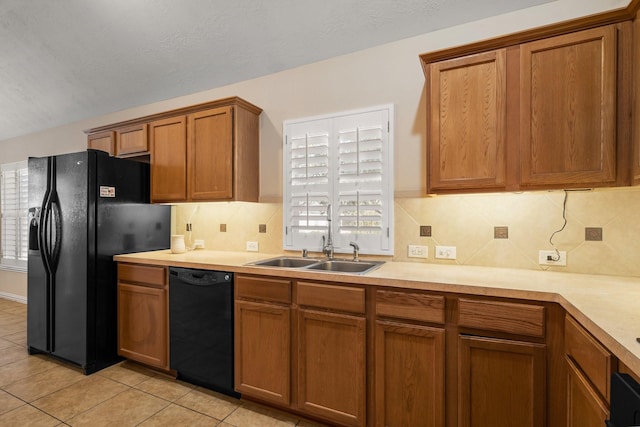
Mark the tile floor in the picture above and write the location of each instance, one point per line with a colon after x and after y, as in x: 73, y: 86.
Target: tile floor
x: 38, y: 391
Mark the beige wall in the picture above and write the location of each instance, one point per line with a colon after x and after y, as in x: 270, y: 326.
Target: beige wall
x: 385, y: 74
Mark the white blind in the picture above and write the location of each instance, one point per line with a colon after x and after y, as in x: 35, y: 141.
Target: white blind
x: 344, y: 160
x: 14, y: 186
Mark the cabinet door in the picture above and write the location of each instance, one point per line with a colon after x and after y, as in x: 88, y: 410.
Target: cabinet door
x: 409, y: 374
x: 168, y: 160
x: 103, y: 141
x: 263, y: 351
x: 585, y: 408
x: 501, y: 383
x: 143, y: 324
x: 468, y: 122
x: 211, y: 156
x: 132, y: 140
x: 331, y: 366
x: 568, y: 109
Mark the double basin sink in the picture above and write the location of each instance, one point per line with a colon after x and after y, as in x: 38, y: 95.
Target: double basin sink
x: 318, y: 264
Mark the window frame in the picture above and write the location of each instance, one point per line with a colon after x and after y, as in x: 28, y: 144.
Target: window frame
x: 19, y: 245
x: 374, y: 234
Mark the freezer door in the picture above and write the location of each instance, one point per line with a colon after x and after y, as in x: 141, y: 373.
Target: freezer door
x: 38, y: 286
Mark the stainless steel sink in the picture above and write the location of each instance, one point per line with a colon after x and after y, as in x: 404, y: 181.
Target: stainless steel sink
x: 343, y: 266
x: 287, y: 262
x: 316, y: 264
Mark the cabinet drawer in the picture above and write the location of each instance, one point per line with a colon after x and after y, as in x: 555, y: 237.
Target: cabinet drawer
x: 410, y: 305
x: 142, y: 274
x: 340, y: 298
x: 264, y: 289
x: 588, y: 354
x: 512, y: 318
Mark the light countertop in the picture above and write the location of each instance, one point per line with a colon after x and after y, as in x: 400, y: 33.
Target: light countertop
x: 608, y: 306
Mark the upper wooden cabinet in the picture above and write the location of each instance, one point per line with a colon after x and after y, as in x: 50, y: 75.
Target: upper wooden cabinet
x: 468, y: 122
x: 205, y: 152
x: 168, y: 139
x: 568, y: 109
x: 103, y: 141
x: 132, y: 140
x: 549, y: 113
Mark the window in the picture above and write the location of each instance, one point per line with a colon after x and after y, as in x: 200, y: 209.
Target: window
x: 338, y: 172
x: 13, y: 211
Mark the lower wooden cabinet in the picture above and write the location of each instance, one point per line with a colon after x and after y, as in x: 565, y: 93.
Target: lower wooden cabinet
x: 501, y: 383
x: 585, y: 408
x: 332, y: 366
x: 409, y: 375
x: 589, y: 368
x: 143, y: 327
x: 263, y: 349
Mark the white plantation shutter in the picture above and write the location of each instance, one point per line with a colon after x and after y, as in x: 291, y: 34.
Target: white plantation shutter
x: 14, y: 185
x: 307, y: 178
x: 345, y: 160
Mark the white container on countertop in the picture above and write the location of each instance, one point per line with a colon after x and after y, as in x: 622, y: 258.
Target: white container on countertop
x: 177, y: 244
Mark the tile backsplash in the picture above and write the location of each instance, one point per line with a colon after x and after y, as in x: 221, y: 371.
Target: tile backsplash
x: 467, y: 222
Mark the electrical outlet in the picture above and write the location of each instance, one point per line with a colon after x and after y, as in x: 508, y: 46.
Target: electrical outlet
x: 416, y: 251
x: 198, y: 244
x: 446, y: 252
x: 252, y: 246
x: 551, y: 258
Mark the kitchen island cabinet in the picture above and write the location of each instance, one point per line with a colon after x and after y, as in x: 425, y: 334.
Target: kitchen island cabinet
x: 143, y: 326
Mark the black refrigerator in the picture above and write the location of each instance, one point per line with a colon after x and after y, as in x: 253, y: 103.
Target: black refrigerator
x: 84, y: 208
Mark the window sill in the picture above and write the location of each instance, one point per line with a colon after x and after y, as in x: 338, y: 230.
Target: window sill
x: 13, y: 268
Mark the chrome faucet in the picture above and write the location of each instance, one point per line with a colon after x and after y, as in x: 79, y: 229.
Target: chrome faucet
x: 356, y: 251
x: 327, y: 244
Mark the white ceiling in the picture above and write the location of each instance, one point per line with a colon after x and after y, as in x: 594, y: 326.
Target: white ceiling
x: 67, y: 60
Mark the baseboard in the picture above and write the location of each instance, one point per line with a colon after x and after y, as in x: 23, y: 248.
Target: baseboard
x: 13, y: 297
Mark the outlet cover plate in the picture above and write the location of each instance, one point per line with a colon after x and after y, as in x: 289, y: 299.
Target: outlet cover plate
x: 544, y: 258
x: 252, y: 246
x: 417, y: 251
x: 446, y: 252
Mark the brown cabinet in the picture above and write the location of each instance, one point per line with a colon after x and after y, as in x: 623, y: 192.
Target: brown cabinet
x: 143, y: 329
x: 502, y: 381
x: 204, y: 152
x: 263, y: 338
x: 168, y: 139
x: 568, y: 123
x: 132, y: 140
x: 467, y: 122
x: 219, y: 161
x: 103, y: 141
x: 589, y: 368
x: 504, y: 120
x: 331, y: 349
x: 409, y: 360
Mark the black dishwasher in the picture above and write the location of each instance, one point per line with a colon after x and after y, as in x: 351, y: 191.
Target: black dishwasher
x: 201, y: 327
